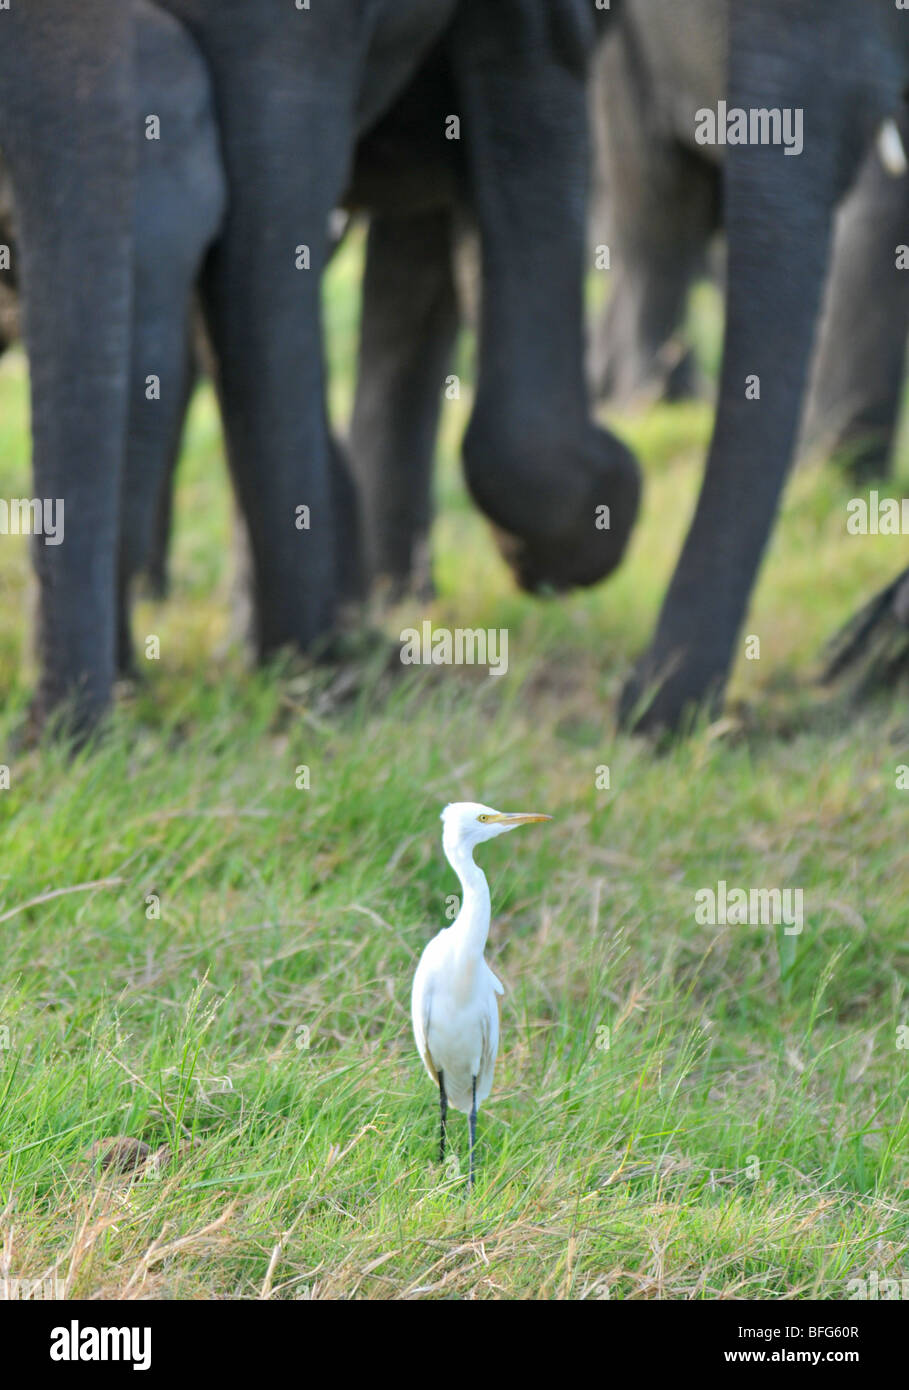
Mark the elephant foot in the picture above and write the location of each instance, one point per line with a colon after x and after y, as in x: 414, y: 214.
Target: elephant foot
x: 562, y: 511
x: 288, y: 618
x: 76, y: 719
x: 406, y: 576
x: 73, y: 696
x: 390, y: 590
x: 666, y: 694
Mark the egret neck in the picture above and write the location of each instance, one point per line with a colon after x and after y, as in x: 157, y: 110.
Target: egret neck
x: 470, y: 929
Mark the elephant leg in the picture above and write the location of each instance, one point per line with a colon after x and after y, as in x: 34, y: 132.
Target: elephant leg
x: 285, y: 86
x: 181, y: 198
x: 859, y: 366
x: 157, y: 573
x: 659, y: 206
x: 779, y: 215
x: 350, y: 579
x: 66, y: 103
x: 161, y: 347
x: 157, y: 566
x: 535, y: 463
x: 660, y: 248
x: 408, y: 326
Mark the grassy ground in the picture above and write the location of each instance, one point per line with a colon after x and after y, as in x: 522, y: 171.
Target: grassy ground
x: 743, y: 1134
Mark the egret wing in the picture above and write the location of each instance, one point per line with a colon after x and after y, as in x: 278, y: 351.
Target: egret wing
x: 421, y: 1012
x: 489, y: 1044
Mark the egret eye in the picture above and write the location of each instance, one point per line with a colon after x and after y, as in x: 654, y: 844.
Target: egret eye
x: 483, y: 818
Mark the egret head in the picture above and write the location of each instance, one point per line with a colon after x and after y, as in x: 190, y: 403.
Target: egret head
x: 469, y: 823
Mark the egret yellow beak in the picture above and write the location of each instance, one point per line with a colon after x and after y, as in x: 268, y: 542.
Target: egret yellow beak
x: 516, y: 818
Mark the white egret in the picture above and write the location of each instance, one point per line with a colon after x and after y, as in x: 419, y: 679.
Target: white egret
x: 454, y: 1005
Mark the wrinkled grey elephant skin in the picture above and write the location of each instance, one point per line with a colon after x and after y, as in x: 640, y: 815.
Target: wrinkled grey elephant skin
x: 856, y: 384
x: 846, y: 67
x: 293, y: 88
x: 660, y: 203
x: 662, y: 64
x: 659, y: 192
x: 179, y: 202
x: 535, y: 463
x: 180, y: 198
x: 425, y: 204
x: 66, y: 102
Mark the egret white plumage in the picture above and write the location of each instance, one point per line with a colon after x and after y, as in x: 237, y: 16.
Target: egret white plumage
x: 454, y: 1001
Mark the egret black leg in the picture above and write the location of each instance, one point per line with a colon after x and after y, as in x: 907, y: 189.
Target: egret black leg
x: 443, y: 1107
x: 473, y: 1130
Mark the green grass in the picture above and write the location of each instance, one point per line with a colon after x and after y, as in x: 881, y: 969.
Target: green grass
x: 745, y: 1132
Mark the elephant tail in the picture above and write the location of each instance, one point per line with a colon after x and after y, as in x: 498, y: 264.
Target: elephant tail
x: 877, y: 636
